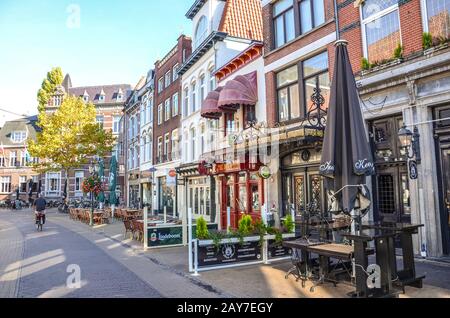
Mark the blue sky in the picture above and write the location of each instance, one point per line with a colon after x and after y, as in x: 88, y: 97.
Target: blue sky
x: 116, y: 41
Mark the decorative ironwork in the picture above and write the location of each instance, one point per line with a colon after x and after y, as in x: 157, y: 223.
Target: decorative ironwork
x: 317, y: 115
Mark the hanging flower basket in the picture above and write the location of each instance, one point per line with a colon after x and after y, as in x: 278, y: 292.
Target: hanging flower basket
x: 93, y: 185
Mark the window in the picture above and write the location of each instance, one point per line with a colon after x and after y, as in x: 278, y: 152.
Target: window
x: 53, y: 183
x: 315, y: 73
x: 381, y: 29
x: 2, y: 161
x: 23, y: 158
x: 160, y: 110
x: 142, y: 152
x: 148, y: 147
x: 5, y: 184
x: 18, y: 136
x: 201, y: 31
x: 193, y: 137
x: 160, y: 149
x: 166, y: 145
x: 202, y: 139
x: 130, y: 128
x: 212, y: 80
x: 150, y: 109
x: 136, y: 157
x: 193, y: 97
x: 312, y: 14
x: 175, y: 142
x: 100, y: 120
x: 101, y: 98
x: 288, y: 94
x: 160, y: 85
x: 130, y: 158
x: 23, y: 184
x: 35, y: 186
x: 202, y: 88
x: 186, y: 102
x: 79, y: 176
x: 185, y: 149
x: 13, y: 159
x: 437, y: 14
x: 230, y: 123
x: 175, y: 105
x: 143, y: 117
x: 175, y: 72
x: 283, y: 21
x: 119, y: 97
x: 116, y: 124
x: 167, y: 77
x: 167, y: 110
x: 57, y: 100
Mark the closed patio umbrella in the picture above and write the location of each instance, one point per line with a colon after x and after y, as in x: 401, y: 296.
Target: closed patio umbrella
x: 101, y: 175
x: 113, y: 184
x: 347, y: 158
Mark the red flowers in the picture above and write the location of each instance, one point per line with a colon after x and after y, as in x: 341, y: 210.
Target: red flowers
x: 93, y: 184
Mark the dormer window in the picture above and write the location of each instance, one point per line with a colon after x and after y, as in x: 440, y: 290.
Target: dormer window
x: 102, y: 96
x: 120, y: 95
x: 201, y: 31
x: 85, y: 97
x: 18, y: 136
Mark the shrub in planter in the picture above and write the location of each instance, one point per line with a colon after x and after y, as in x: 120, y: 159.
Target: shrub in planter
x: 260, y: 229
x: 365, y: 64
x: 398, y: 52
x: 427, y: 40
x: 245, y: 226
x: 289, y: 224
x: 277, y: 233
x: 202, y: 229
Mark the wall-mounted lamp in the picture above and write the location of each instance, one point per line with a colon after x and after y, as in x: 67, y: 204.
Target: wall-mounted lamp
x: 410, y: 141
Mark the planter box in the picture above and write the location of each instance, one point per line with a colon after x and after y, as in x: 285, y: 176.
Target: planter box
x: 275, y: 250
x: 230, y: 252
x: 433, y: 49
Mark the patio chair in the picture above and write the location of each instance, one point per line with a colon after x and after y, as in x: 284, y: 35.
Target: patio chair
x: 138, y: 228
x: 295, y: 270
x: 128, y: 228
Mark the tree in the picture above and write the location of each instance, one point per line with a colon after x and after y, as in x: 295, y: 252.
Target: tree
x: 49, y: 84
x: 70, y: 137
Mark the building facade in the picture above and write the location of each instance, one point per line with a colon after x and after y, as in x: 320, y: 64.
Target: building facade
x: 166, y: 126
x: 403, y: 80
x: 221, y: 31
x: 109, y: 102
x: 17, y: 178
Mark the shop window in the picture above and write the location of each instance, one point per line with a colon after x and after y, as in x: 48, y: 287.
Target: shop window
x: 249, y: 115
x: 437, y: 17
x: 255, y: 197
x: 381, y: 29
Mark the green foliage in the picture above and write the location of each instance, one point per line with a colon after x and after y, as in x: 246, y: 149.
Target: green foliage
x: 277, y: 233
x: 49, y: 84
x: 365, y: 65
x: 202, y: 229
x: 427, y: 40
x: 260, y: 229
x: 398, y: 52
x: 245, y: 226
x: 69, y: 137
x: 289, y: 224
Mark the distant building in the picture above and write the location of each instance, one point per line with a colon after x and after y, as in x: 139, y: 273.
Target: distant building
x: 109, y: 101
x: 15, y: 174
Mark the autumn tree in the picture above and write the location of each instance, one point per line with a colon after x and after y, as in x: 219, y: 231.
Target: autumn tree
x: 49, y: 84
x: 69, y: 137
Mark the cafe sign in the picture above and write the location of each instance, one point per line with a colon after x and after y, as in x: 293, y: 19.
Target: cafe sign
x: 265, y: 172
x: 165, y: 236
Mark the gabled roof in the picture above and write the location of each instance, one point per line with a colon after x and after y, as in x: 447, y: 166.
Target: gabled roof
x: 195, y: 8
x: 28, y: 124
x: 110, y: 91
x: 243, y: 19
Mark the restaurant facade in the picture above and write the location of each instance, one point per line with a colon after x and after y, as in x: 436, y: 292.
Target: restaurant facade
x: 401, y: 82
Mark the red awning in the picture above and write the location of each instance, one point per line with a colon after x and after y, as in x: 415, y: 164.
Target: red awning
x: 210, y: 109
x: 242, y: 90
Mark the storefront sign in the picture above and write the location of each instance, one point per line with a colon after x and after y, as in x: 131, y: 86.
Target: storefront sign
x: 265, y: 172
x: 228, y: 254
x: 165, y: 236
x: 277, y: 250
x: 413, y: 174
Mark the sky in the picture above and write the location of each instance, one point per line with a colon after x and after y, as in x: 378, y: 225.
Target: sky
x: 98, y: 42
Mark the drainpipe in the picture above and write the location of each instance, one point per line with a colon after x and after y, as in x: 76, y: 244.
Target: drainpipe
x: 336, y: 18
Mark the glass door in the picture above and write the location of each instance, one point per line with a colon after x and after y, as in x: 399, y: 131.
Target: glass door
x: 445, y: 164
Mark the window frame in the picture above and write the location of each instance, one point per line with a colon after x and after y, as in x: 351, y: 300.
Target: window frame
x: 167, y: 79
x: 167, y: 109
x: 160, y: 84
x: 160, y: 115
x: 374, y: 17
x: 275, y: 17
x: 301, y: 80
x: 5, y: 184
x: 175, y: 72
x: 175, y: 104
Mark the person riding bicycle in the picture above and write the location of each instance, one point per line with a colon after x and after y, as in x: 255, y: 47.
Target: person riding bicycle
x: 40, y: 205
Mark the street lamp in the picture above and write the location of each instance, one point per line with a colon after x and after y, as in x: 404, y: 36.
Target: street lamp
x: 410, y: 141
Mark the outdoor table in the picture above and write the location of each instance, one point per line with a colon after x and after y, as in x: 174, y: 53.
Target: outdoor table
x: 406, y: 276
x: 384, y: 249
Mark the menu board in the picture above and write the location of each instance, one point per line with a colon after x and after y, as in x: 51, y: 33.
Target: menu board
x: 276, y: 250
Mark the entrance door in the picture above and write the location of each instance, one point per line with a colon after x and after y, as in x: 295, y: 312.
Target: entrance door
x: 307, y: 190
x: 445, y: 168
x: 393, y: 195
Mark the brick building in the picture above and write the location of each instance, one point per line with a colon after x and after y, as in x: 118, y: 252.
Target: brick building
x: 166, y: 125
x: 109, y: 102
x: 401, y: 81
x: 15, y: 174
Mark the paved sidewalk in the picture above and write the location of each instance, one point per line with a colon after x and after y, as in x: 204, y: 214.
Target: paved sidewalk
x: 11, y: 249
x: 263, y: 280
